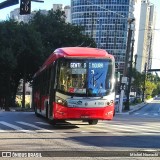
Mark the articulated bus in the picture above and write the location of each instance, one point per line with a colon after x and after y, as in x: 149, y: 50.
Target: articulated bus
x: 76, y: 83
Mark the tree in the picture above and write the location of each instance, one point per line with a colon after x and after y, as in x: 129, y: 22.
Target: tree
x: 56, y: 33
x: 29, y: 48
x: 137, y: 84
x: 149, y: 87
x: 23, y: 45
x: 7, y: 61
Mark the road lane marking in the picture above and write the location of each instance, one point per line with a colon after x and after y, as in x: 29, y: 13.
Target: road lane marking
x: 16, y: 127
x: 136, y: 113
x: 43, y: 123
x: 40, y: 129
x: 2, y: 131
x: 145, y: 114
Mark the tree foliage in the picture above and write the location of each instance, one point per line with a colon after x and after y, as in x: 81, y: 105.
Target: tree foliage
x: 24, y: 47
x: 56, y: 33
x: 152, y: 83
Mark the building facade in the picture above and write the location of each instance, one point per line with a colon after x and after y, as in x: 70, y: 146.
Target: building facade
x: 106, y: 22
x: 146, y: 24
x: 66, y: 9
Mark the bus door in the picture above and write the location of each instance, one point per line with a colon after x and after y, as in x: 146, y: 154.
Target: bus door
x: 52, y: 88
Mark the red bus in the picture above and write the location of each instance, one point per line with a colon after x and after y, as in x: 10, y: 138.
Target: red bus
x: 76, y: 83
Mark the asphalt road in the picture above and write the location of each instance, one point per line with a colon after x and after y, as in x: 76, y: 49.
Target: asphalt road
x: 132, y: 136
x: 152, y: 109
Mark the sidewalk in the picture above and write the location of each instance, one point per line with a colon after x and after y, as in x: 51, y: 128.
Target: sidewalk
x: 18, y: 109
x: 135, y: 107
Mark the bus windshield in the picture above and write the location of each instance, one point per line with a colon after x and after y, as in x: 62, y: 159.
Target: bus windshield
x: 91, y: 77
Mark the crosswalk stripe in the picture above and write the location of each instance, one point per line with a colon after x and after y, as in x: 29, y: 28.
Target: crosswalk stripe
x: 40, y: 129
x: 133, y: 126
x: 2, y: 131
x: 121, y: 129
x: 136, y: 127
x: 15, y: 127
x: 43, y: 123
x: 111, y: 128
x: 146, y: 114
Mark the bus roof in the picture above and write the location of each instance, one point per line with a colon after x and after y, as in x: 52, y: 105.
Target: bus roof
x: 86, y: 52
x: 82, y: 51
x: 77, y: 52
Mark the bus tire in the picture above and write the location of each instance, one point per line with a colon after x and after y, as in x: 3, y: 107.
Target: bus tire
x: 93, y: 121
x: 37, y: 114
x: 52, y: 121
x: 114, y: 112
x: 47, y: 112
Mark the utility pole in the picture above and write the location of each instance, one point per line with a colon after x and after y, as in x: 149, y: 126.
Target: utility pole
x: 129, y: 53
x: 144, y: 82
x: 129, y: 78
x: 135, y: 60
x: 100, y: 31
x: 92, y: 24
x: 128, y: 47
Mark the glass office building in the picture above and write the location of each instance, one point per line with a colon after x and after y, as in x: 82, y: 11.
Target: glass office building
x: 106, y: 21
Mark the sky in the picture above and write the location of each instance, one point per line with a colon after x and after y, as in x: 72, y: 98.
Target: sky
x: 4, y: 13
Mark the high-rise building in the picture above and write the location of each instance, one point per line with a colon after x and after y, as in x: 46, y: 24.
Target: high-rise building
x: 106, y: 21
x: 25, y: 18
x: 57, y: 6
x: 143, y: 46
x: 67, y: 10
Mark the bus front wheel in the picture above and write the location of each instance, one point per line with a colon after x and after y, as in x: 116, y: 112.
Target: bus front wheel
x: 93, y: 121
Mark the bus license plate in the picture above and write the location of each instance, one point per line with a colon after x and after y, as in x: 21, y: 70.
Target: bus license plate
x: 84, y: 116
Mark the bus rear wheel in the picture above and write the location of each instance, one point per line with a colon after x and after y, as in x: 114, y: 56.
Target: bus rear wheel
x: 35, y: 111
x: 93, y: 121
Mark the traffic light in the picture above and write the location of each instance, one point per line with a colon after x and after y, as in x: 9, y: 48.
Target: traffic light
x: 25, y: 7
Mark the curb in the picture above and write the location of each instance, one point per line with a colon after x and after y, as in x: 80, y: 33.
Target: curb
x: 135, y: 108
x: 138, y: 108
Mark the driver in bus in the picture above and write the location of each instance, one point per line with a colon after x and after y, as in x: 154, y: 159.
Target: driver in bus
x: 69, y: 83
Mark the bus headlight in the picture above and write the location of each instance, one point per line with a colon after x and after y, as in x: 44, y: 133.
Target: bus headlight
x: 61, y: 102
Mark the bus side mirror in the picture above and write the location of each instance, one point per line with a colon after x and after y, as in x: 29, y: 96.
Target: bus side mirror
x: 117, y: 76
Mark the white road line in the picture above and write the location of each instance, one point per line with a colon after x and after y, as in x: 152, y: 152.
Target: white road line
x: 84, y: 132
x: 137, y: 127
x: 15, y: 127
x: 2, y: 131
x: 128, y: 128
x: 145, y: 114
x: 136, y: 113
x: 43, y: 123
x: 40, y: 129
